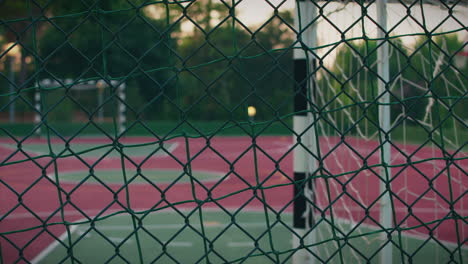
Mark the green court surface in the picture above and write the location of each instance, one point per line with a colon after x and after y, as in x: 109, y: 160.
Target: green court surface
x: 171, y: 237
x: 94, y: 150
x: 131, y: 175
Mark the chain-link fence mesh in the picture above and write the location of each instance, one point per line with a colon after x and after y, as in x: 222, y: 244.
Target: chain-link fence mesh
x: 233, y: 131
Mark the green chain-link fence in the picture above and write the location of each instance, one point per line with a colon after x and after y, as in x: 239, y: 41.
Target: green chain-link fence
x: 233, y: 131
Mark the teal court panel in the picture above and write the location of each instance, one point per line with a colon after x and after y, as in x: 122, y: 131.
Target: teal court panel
x: 222, y: 237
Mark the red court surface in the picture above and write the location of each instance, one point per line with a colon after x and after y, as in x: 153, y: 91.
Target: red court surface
x: 423, y: 190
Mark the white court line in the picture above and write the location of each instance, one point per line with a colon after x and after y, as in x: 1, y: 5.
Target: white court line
x: 179, y: 244
x: 120, y: 239
x: 12, y: 147
x: 81, y: 233
x: 52, y: 246
x: 171, y: 148
x: 30, y: 152
x: 178, y: 226
x: 352, y: 224
x: 217, y: 176
x: 92, y: 213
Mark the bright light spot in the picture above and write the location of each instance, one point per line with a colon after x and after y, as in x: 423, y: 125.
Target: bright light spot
x: 251, y: 111
x: 13, y: 49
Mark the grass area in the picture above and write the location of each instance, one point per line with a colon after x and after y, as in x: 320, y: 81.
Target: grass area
x: 171, y: 237
x: 145, y: 176
x: 454, y: 137
x: 159, y: 128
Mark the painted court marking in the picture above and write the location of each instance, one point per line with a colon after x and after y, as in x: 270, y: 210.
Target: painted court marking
x: 279, y: 178
x: 130, y: 240
x: 52, y: 246
x: 179, y: 244
x: 209, y: 224
x: 178, y: 226
x: 12, y: 216
x: 77, y: 229
x: 160, y: 153
x: 217, y: 175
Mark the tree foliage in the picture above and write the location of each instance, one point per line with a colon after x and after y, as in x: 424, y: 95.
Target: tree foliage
x: 134, y: 48
x: 219, y: 67
x: 238, y: 68
x: 419, y: 75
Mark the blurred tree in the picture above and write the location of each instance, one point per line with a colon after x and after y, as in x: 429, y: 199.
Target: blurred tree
x: 118, y: 40
x: 204, y: 13
x: 433, y: 66
x: 272, y: 72
x: 231, y: 68
x: 354, y: 78
x: 426, y: 69
x: 16, y: 28
x: 210, y: 87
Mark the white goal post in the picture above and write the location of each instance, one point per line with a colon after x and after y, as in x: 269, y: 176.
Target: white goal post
x: 79, y: 85
x: 304, y: 123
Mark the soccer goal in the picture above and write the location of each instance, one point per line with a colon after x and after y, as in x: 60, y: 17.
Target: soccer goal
x: 106, y: 91
x: 399, y: 101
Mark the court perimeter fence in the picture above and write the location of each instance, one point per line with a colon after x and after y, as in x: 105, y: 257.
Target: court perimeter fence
x: 369, y: 96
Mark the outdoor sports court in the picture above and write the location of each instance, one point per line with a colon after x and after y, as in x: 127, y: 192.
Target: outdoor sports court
x: 241, y: 131
x: 151, y: 211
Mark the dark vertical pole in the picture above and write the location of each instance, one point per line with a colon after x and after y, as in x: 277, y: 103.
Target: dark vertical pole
x: 37, y: 105
x: 11, y: 64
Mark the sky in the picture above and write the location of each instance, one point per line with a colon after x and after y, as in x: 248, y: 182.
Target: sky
x: 255, y: 12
